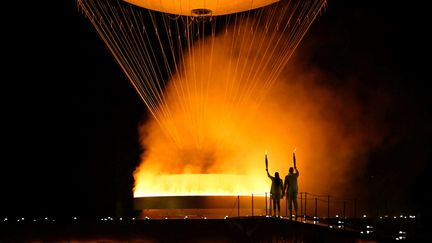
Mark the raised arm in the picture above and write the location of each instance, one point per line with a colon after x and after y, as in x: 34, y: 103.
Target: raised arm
x: 295, y: 163
x: 268, y: 174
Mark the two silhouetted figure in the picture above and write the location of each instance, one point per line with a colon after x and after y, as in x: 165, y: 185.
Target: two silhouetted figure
x: 288, y: 187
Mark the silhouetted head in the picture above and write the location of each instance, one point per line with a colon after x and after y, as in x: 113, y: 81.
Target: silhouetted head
x: 277, y: 175
x: 291, y: 170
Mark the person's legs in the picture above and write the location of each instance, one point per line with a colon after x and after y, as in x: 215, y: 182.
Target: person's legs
x: 274, y: 208
x: 290, y: 204
x: 295, y: 204
x: 278, y: 207
x: 270, y: 206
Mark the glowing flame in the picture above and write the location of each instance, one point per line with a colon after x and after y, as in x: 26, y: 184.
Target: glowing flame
x: 200, y: 184
x: 218, y: 131
x: 229, y: 97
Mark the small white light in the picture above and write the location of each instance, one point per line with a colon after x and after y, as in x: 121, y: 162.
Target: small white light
x: 75, y: 218
x: 364, y: 215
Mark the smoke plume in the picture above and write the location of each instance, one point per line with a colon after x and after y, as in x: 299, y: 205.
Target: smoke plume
x: 224, y: 115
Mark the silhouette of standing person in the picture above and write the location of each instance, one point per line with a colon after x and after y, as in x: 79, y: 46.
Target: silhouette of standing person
x: 276, y: 192
x: 291, y: 188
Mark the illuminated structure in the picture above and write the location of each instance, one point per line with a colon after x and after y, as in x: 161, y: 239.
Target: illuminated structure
x: 202, y: 68
x: 200, y: 7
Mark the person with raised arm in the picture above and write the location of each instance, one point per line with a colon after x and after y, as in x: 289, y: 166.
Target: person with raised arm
x: 291, y: 188
x: 276, y: 189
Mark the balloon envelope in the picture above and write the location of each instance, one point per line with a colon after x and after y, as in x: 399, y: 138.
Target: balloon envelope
x: 197, y: 7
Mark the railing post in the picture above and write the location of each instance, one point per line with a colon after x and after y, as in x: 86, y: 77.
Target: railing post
x: 316, y: 207
x: 266, y: 204
x: 355, y: 207
x: 305, y: 205
x: 301, y: 203
x: 238, y: 205
x: 252, y: 206
x: 344, y: 209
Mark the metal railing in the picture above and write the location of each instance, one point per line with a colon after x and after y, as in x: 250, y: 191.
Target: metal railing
x: 310, y: 205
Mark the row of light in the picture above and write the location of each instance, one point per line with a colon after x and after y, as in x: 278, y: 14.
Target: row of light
x: 400, y: 216
x: 369, y: 229
x: 315, y: 219
x: 47, y: 219
x: 34, y: 220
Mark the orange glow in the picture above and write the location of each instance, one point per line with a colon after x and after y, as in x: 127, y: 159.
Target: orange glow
x: 221, y: 129
x: 217, y: 7
x: 200, y: 184
x: 228, y: 101
x: 211, y: 87
x: 218, y: 126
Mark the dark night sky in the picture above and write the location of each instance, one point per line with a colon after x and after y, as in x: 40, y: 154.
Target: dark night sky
x: 70, y: 116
